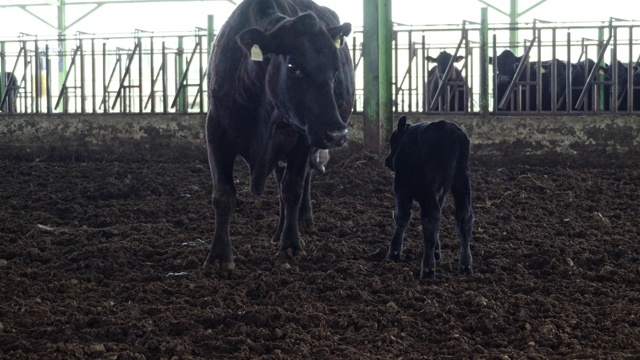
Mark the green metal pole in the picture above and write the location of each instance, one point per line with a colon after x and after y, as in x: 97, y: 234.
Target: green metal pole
x: 513, y: 22
x: 62, y: 43
x: 371, y: 101
x: 179, y: 59
x: 484, y: 61
x: 385, y: 32
x: 210, y: 33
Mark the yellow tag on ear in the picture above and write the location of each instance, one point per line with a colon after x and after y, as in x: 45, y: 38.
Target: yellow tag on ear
x: 601, y: 72
x: 338, y: 42
x: 256, y: 53
x: 542, y: 70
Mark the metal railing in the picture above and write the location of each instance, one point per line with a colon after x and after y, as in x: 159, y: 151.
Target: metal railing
x: 163, y: 73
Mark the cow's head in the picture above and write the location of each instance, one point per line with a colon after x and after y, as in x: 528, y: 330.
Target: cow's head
x: 394, y: 142
x: 622, y: 74
x: 505, y: 65
x: 562, y: 71
x: 442, y: 61
x: 302, y: 65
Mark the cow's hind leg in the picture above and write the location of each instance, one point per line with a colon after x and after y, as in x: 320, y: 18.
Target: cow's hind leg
x: 224, y: 200
x: 461, y: 190
x: 430, y: 216
x: 402, y: 219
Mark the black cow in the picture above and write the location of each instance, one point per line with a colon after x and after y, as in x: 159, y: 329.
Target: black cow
x: 583, y: 70
x: 621, y: 73
x: 281, y: 85
x: 8, y: 98
x: 429, y: 160
x: 562, y: 71
x: 524, y: 94
x: 455, y: 95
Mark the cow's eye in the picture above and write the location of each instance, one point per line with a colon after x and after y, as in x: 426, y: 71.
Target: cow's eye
x: 294, y: 69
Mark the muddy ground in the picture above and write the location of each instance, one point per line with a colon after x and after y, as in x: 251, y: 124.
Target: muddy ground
x: 104, y: 260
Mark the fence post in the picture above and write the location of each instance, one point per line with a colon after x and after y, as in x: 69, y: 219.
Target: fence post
x: 484, y: 61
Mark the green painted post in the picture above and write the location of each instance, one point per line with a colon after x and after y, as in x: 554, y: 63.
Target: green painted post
x: 62, y: 41
x: 385, y: 38
x: 210, y: 33
x: 513, y: 22
x: 371, y: 102
x: 180, y: 62
x: 484, y: 61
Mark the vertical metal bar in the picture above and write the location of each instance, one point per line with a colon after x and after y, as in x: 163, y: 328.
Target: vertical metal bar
x: 201, y: 75
x: 371, y: 62
x: 410, y: 57
x: 386, y: 97
x: 48, y: 80
x: 165, y: 96
x: 93, y: 76
x: 105, y: 84
x: 83, y: 97
x: 140, y: 71
x: 37, y: 76
x: 152, y: 73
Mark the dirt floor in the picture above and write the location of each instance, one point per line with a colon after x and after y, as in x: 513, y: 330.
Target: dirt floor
x: 104, y: 260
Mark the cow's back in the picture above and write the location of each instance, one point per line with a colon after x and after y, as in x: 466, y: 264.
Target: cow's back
x: 432, y: 149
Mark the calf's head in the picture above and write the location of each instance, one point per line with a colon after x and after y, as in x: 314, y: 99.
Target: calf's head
x: 394, y: 142
x: 302, y: 65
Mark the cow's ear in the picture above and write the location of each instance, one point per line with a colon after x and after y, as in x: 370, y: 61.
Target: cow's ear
x: 402, y: 123
x: 256, y: 43
x: 430, y: 58
x: 459, y: 58
x: 337, y: 33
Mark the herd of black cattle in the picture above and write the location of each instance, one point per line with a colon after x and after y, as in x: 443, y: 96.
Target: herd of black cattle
x: 539, y: 86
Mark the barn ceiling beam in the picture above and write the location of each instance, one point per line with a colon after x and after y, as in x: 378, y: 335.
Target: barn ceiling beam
x: 513, y: 15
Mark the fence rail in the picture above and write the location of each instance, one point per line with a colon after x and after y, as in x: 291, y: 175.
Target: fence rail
x: 162, y: 73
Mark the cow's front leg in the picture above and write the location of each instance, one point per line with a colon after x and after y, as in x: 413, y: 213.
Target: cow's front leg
x: 306, y: 211
x: 291, y: 188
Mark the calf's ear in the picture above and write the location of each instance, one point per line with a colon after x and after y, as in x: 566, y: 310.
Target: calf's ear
x: 402, y: 123
x: 256, y: 43
x: 337, y: 33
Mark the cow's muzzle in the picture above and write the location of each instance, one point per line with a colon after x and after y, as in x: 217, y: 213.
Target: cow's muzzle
x: 335, y: 138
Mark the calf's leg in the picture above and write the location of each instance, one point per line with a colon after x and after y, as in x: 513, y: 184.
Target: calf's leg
x: 461, y: 190
x: 430, y: 216
x: 402, y: 219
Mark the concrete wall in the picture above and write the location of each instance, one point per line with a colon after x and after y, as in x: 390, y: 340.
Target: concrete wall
x: 604, y: 140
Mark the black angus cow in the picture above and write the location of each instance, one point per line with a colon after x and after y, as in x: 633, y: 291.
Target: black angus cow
x: 562, y: 71
x: 524, y: 94
x: 281, y: 86
x: 583, y: 70
x: 8, y: 98
x: 621, y: 73
x: 429, y: 160
x: 455, y: 95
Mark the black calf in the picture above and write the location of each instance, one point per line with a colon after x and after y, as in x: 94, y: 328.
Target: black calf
x: 429, y: 159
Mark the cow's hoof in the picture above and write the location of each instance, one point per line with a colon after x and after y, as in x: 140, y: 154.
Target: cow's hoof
x: 429, y: 274
x: 291, y: 253
x: 465, y: 269
x: 307, y: 224
x: 227, y: 266
x: 394, y: 255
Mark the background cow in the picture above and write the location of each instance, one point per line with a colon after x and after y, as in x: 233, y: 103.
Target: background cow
x: 547, y: 74
x: 524, y: 94
x: 454, y: 96
x: 621, y: 73
x: 8, y: 98
x: 584, y: 69
x: 281, y: 85
x: 429, y: 160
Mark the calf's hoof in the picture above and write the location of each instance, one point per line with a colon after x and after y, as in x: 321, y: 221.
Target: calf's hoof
x: 428, y: 274
x: 292, y: 253
x: 227, y: 266
x: 394, y: 255
x: 465, y: 269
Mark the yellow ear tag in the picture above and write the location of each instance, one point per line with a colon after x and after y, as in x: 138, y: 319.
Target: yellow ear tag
x: 601, y: 72
x: 256, y: 53
x: 542, y: 70
x: 337, y: 42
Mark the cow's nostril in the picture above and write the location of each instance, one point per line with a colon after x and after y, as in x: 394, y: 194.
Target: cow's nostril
x: 336, y: 138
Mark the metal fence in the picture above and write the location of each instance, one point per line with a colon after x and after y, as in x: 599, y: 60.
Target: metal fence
x: 163, y: 73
